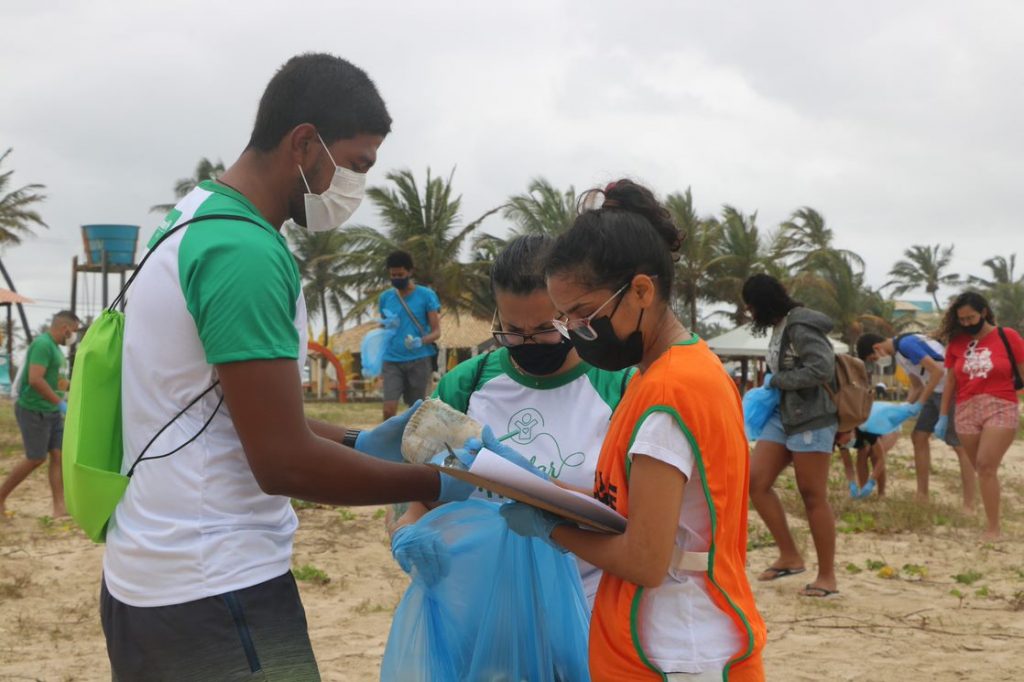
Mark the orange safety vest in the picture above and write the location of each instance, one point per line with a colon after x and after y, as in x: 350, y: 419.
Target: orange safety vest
x: 689, y: 383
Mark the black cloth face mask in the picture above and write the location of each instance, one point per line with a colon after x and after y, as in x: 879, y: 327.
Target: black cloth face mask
x: 974, y: 328
x: 400, y: 282
x: 608, y: 351
x: 540, y: 359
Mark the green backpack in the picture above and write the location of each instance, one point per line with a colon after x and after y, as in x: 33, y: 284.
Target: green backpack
x: 93, y: 449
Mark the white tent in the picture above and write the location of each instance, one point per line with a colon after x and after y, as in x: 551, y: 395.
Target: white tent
x: 741, y: 343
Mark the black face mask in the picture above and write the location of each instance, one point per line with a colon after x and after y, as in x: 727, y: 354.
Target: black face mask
x: 541, y: 359
x: 608, y: 351
x: 400, y: 282
x: 974, y: 328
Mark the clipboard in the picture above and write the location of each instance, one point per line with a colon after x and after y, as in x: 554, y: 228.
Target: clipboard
x: 614, y: 523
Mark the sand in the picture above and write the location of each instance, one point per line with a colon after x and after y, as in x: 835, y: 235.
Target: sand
x: 904, y: 627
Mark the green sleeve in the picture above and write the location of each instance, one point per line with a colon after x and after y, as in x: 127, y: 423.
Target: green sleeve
x: 39, y: 353
x: 456, y: 387
x: 241, y: 286
x: 610, y: 385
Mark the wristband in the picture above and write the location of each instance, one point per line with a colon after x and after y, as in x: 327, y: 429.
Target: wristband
x: 351, y: 435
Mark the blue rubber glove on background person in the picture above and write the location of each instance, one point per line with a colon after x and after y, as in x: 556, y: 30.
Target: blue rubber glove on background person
x: 413, y: 342
x: 390, y: 322
x: 941, y: 426
x: 530, y: 522
x: 385, y: 441
x: 421, y: 554
x: 489, y: 441
x: 62, y: 406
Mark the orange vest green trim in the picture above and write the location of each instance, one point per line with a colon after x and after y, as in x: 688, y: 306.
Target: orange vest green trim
x: 713, y: 425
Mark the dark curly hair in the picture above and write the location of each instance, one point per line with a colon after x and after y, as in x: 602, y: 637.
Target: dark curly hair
x: 950, y: 326
x: 630, y: 233
x: 768, y: 300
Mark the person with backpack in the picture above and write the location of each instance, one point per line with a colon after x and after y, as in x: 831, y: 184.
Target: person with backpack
x: 413, y: 312
x: 674, y: 602
x: 197, y: 581
x: 985, y: 363
x: 802, y: 431
x: 922, y: 358
x: 558, y: 407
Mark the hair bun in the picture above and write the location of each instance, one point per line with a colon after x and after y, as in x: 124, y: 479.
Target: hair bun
x: 627, y: 195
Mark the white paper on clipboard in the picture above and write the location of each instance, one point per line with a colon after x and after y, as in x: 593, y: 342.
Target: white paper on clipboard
x: 493, y: 467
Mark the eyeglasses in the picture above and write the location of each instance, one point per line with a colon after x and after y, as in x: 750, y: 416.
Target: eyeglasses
x: 581, y: 327
x: 507, y: 339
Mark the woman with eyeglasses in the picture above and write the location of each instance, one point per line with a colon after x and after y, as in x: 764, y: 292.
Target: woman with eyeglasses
x: 674, y: 602
x: 535, y: 386
x: 987, y: 363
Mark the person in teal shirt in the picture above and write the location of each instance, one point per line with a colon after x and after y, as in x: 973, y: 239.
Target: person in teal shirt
x: 413, y: 312
x: 40, y: 408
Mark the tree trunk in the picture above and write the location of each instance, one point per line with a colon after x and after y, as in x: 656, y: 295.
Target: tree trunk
x: 693, y: 312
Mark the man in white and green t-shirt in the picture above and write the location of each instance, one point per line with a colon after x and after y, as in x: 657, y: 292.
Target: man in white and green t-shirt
x: 196, y: 573
x: 559, y: 407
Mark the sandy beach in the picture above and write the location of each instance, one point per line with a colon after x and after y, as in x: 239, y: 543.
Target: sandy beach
x: 921, y: 597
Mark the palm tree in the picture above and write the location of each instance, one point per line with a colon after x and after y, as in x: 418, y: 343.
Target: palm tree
x: 320, y: 257
x: 838, y: 290
x: 205, y: 170
x: 924, y: 267
x: 806, y: 239
x: 426, y: 225
x: 698, y: 255
x: 18, y: 218
x: 1004, y: 291
x: 17, y: 215
x: 739, y: 255
x: 543, y: 209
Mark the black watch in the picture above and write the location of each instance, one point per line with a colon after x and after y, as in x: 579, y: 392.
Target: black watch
x: 349, y: 439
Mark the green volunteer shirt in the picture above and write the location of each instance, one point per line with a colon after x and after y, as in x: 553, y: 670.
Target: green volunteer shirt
x: 43, y: 351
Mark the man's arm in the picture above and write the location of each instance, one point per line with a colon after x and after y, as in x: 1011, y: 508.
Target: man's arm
x: 37, y: 380
x: 288, y: 458
x: 434, y: 320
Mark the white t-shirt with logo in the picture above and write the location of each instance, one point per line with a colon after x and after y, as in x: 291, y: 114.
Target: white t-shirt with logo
x: 196, y: 524
x: 561, y: 420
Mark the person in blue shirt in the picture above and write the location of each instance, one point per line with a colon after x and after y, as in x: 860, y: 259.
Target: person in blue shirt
x: 413, y: 312
x: 922, y: 359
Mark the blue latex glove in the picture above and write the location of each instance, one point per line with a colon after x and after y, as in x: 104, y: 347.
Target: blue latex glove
x: 915, y: 409
x: 423, y: 555
x: 63, y: 406
x: 767, y: 380
x: 489, y: 440
x: 454, y: 489
x: 389, y: 322
x: 530, y: 522
x: 385, y: 441
x: 941, y: 426
x: 413, y: 342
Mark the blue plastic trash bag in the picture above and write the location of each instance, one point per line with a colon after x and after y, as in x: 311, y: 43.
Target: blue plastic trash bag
x: 505, y: 608
x: 372, y: 351
x: 758, y: 406
x: 886, y: 417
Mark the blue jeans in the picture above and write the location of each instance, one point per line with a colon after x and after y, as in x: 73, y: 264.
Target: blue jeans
x: 813, y: 440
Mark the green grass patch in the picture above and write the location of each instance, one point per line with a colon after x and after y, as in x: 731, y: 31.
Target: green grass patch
x: 968, y: 577
x: 346, y: 514
x: 310, y: 574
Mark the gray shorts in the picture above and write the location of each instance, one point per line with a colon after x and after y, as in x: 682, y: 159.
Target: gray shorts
x: 930, y: 415
x: 41, y: 432
x: 407, y: 380
x: 257, y: 633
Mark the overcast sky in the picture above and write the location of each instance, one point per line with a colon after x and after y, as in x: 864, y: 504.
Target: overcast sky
x: 899, y: 121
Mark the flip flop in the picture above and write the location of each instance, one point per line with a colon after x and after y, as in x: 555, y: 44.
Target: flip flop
x: 777, y: 573
x: 816, y: 592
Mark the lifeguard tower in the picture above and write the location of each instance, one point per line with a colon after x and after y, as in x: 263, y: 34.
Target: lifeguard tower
x: 109, y: 250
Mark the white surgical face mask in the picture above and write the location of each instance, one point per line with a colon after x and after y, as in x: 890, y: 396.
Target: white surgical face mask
x: 329, y: 210
x: 883, y: 362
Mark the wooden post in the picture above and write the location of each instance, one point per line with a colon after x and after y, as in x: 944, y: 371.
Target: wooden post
x: 10, y: 344
x: 105, y: 268
x: 74, y: 285
x: 125, y: 299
